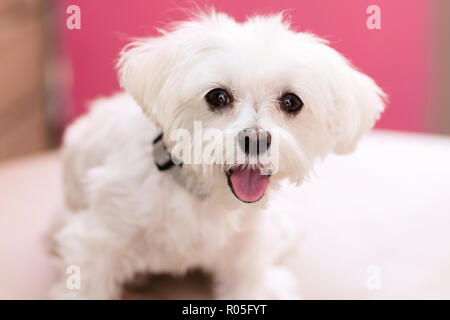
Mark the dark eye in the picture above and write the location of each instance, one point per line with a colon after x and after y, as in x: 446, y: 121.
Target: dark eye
x: 291, y: 103
x: 218, y: 98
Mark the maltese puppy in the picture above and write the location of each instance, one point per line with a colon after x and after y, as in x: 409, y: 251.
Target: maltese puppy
x: 180, y: 170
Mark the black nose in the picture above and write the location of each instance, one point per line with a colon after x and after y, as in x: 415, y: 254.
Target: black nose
x: 254, y: 141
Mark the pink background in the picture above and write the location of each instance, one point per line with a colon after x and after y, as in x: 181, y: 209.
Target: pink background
x: 397, y: 56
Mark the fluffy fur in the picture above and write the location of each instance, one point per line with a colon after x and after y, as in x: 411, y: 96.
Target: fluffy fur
x: 128, y: 217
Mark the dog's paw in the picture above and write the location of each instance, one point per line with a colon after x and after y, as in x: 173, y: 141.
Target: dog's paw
x: 60, y: 291
x: 275, y: 283
x: 280, y: 284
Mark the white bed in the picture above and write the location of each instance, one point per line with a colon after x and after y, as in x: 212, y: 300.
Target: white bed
x: 376, y: 223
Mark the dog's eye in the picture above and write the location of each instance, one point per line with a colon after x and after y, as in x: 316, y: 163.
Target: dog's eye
x: 291, y: 103
x: 218, y: 98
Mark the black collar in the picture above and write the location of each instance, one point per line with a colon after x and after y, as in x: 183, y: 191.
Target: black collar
x: 163, y: 159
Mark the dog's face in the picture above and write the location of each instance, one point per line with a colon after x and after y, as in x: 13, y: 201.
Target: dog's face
x: 256, y: 88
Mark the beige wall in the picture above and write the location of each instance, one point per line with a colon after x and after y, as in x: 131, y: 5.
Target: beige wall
x: 440, y: 120
x: 23, y: 127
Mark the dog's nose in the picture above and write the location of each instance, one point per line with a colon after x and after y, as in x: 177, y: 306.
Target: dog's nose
x: 254, y: 141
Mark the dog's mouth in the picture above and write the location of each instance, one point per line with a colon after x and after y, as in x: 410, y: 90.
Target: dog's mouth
x: 247, y: 184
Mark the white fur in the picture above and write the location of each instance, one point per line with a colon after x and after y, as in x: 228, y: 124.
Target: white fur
x: 130, y: 217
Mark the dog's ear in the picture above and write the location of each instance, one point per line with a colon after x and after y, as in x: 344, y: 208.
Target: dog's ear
x: 358, y: 103
x: 144, y: 67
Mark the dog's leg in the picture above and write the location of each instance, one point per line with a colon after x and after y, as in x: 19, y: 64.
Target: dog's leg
x: 249, y: 272
x: 91, y: 261
x: 275, y: 282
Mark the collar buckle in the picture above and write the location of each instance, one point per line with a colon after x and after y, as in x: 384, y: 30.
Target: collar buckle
x: 163, y: 160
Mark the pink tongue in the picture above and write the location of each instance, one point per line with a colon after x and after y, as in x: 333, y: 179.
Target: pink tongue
x: 248, y: 184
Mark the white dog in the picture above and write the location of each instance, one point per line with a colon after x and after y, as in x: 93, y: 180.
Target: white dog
x: 137, y: 209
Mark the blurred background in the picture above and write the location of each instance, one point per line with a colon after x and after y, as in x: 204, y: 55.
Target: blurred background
x: 49, y: 72
x: 50, y: 69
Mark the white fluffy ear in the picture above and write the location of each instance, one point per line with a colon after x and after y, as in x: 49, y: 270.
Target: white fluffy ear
x: 358, y: 105
x: 144, y: 68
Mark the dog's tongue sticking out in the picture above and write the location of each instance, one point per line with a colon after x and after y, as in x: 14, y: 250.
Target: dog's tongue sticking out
x: 249, y: 185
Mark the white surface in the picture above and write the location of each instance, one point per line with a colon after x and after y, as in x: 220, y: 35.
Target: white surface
x: 387, y: 205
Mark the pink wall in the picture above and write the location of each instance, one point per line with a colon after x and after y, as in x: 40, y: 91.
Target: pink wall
x: 396, y: 56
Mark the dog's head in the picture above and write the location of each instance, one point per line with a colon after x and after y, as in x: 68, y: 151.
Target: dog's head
x: 233, y: 93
